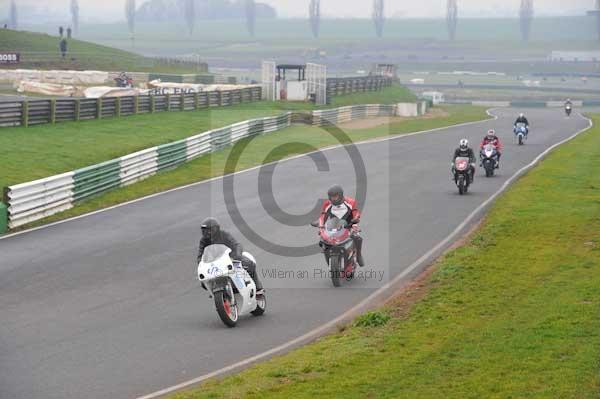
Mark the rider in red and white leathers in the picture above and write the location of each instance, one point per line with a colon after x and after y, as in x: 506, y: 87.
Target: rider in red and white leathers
x: 344, y: 208
x: 494, y: 140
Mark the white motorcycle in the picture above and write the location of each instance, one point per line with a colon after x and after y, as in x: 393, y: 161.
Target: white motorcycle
x: 489, y: 159
x: 521, y: 132
x: 229, y: 284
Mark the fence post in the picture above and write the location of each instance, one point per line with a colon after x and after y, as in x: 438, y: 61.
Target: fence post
x: 118, y: 107
x: 196, y: 100
x: 99, y: 108
x: 168, y: 101
x: 53, y: 110
x: 136, y: 104
x: 182, y: 101
x: 77, y: 109
x: 152, y: 104
x: 25, y: 113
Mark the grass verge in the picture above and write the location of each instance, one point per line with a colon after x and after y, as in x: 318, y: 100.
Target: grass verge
x: 45, y: 150
x: 40, y: 51
x: 296, y: 140
x: 511, y: 314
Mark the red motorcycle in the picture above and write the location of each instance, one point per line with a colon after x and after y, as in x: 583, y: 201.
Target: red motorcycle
x: 338, y: 246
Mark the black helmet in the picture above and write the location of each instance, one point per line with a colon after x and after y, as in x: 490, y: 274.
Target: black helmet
x: 210, y: 227
x: 336, y: 195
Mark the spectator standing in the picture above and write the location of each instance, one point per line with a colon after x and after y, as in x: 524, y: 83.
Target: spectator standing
x: 61, y: 30
x: 69, y: 32
x: 63, y: 48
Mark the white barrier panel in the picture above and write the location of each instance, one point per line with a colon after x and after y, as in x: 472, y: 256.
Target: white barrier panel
x: 407, y: 109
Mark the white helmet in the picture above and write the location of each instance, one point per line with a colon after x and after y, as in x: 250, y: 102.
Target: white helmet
x: 464, y: 144
x: 491, y: 133
x: 521, y: 115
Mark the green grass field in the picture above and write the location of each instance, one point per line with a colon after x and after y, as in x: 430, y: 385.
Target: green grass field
x: 40, y: 151
x: 511, y: 314
x: 214, y: 164
x: 40, y: 51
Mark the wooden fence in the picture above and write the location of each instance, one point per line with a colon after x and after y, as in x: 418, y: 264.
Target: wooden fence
x: 35, y: 112
x: 342, y: 86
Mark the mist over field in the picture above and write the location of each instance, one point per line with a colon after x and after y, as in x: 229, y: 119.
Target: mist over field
x: 112, y: 10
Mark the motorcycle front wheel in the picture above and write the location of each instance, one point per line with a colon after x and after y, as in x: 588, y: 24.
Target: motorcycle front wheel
x: 461, y: 185
x: 227, y: 311
x: 335, y: 267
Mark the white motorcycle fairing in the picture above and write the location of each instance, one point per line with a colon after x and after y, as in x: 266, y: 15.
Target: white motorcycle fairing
x: 219, y: 273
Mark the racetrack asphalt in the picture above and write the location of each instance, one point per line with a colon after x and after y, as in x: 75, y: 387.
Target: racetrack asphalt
x: 108, y: 306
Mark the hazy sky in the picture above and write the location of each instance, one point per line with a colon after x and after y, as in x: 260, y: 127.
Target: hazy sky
x: 113, y: 9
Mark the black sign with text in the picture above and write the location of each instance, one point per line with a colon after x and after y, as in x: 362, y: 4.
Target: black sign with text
x: 10, y: 58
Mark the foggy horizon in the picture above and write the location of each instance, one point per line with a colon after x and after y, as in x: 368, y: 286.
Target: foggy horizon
x: 112, y: 10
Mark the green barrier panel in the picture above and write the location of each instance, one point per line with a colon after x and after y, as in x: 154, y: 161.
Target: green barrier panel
x: 3, y: 218
x: 96, y: 179
x: 528, y: 104
x: 172, y: 154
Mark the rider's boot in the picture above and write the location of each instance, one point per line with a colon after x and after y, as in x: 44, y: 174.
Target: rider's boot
x: 358, y: 245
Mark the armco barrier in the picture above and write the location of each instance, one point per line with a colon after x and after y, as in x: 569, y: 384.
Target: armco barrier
x: 38, y: 199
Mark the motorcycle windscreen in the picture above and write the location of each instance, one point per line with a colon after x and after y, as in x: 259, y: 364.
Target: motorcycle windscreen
x: 214, y: 252
x: 335, y: 227
x: 461, y: 163
x: 489, y: 150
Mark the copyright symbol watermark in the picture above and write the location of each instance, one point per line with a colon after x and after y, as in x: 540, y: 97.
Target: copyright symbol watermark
x: 266, y: 193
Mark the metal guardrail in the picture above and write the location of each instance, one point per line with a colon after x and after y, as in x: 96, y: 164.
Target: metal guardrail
x: 35, y: 112
x: 28, y: 202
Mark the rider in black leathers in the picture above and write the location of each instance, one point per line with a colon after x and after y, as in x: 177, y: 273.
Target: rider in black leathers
x: 213, y: 234
x: 465, y: 151
x: 522, y: 119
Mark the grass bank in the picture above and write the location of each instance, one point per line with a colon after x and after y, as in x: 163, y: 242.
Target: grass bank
x: 45, y: 150
x: 511, y: 314
x: 40, y: 51
x: 256, y: 152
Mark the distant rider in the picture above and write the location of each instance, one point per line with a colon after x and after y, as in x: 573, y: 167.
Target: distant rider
x: 523, y: 120
x: 213, y: 234
x: 494, y: 140
x: 464, y: 151
x: 344, y: 208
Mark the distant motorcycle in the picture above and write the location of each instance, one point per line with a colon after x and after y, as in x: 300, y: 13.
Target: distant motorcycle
x: 124, y: 80
x: 338, y: 246
x: 489, y: 159
x: 521, y: 131
x: 229, y: 284
x: 568, y: 109
x: 462, y: 178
